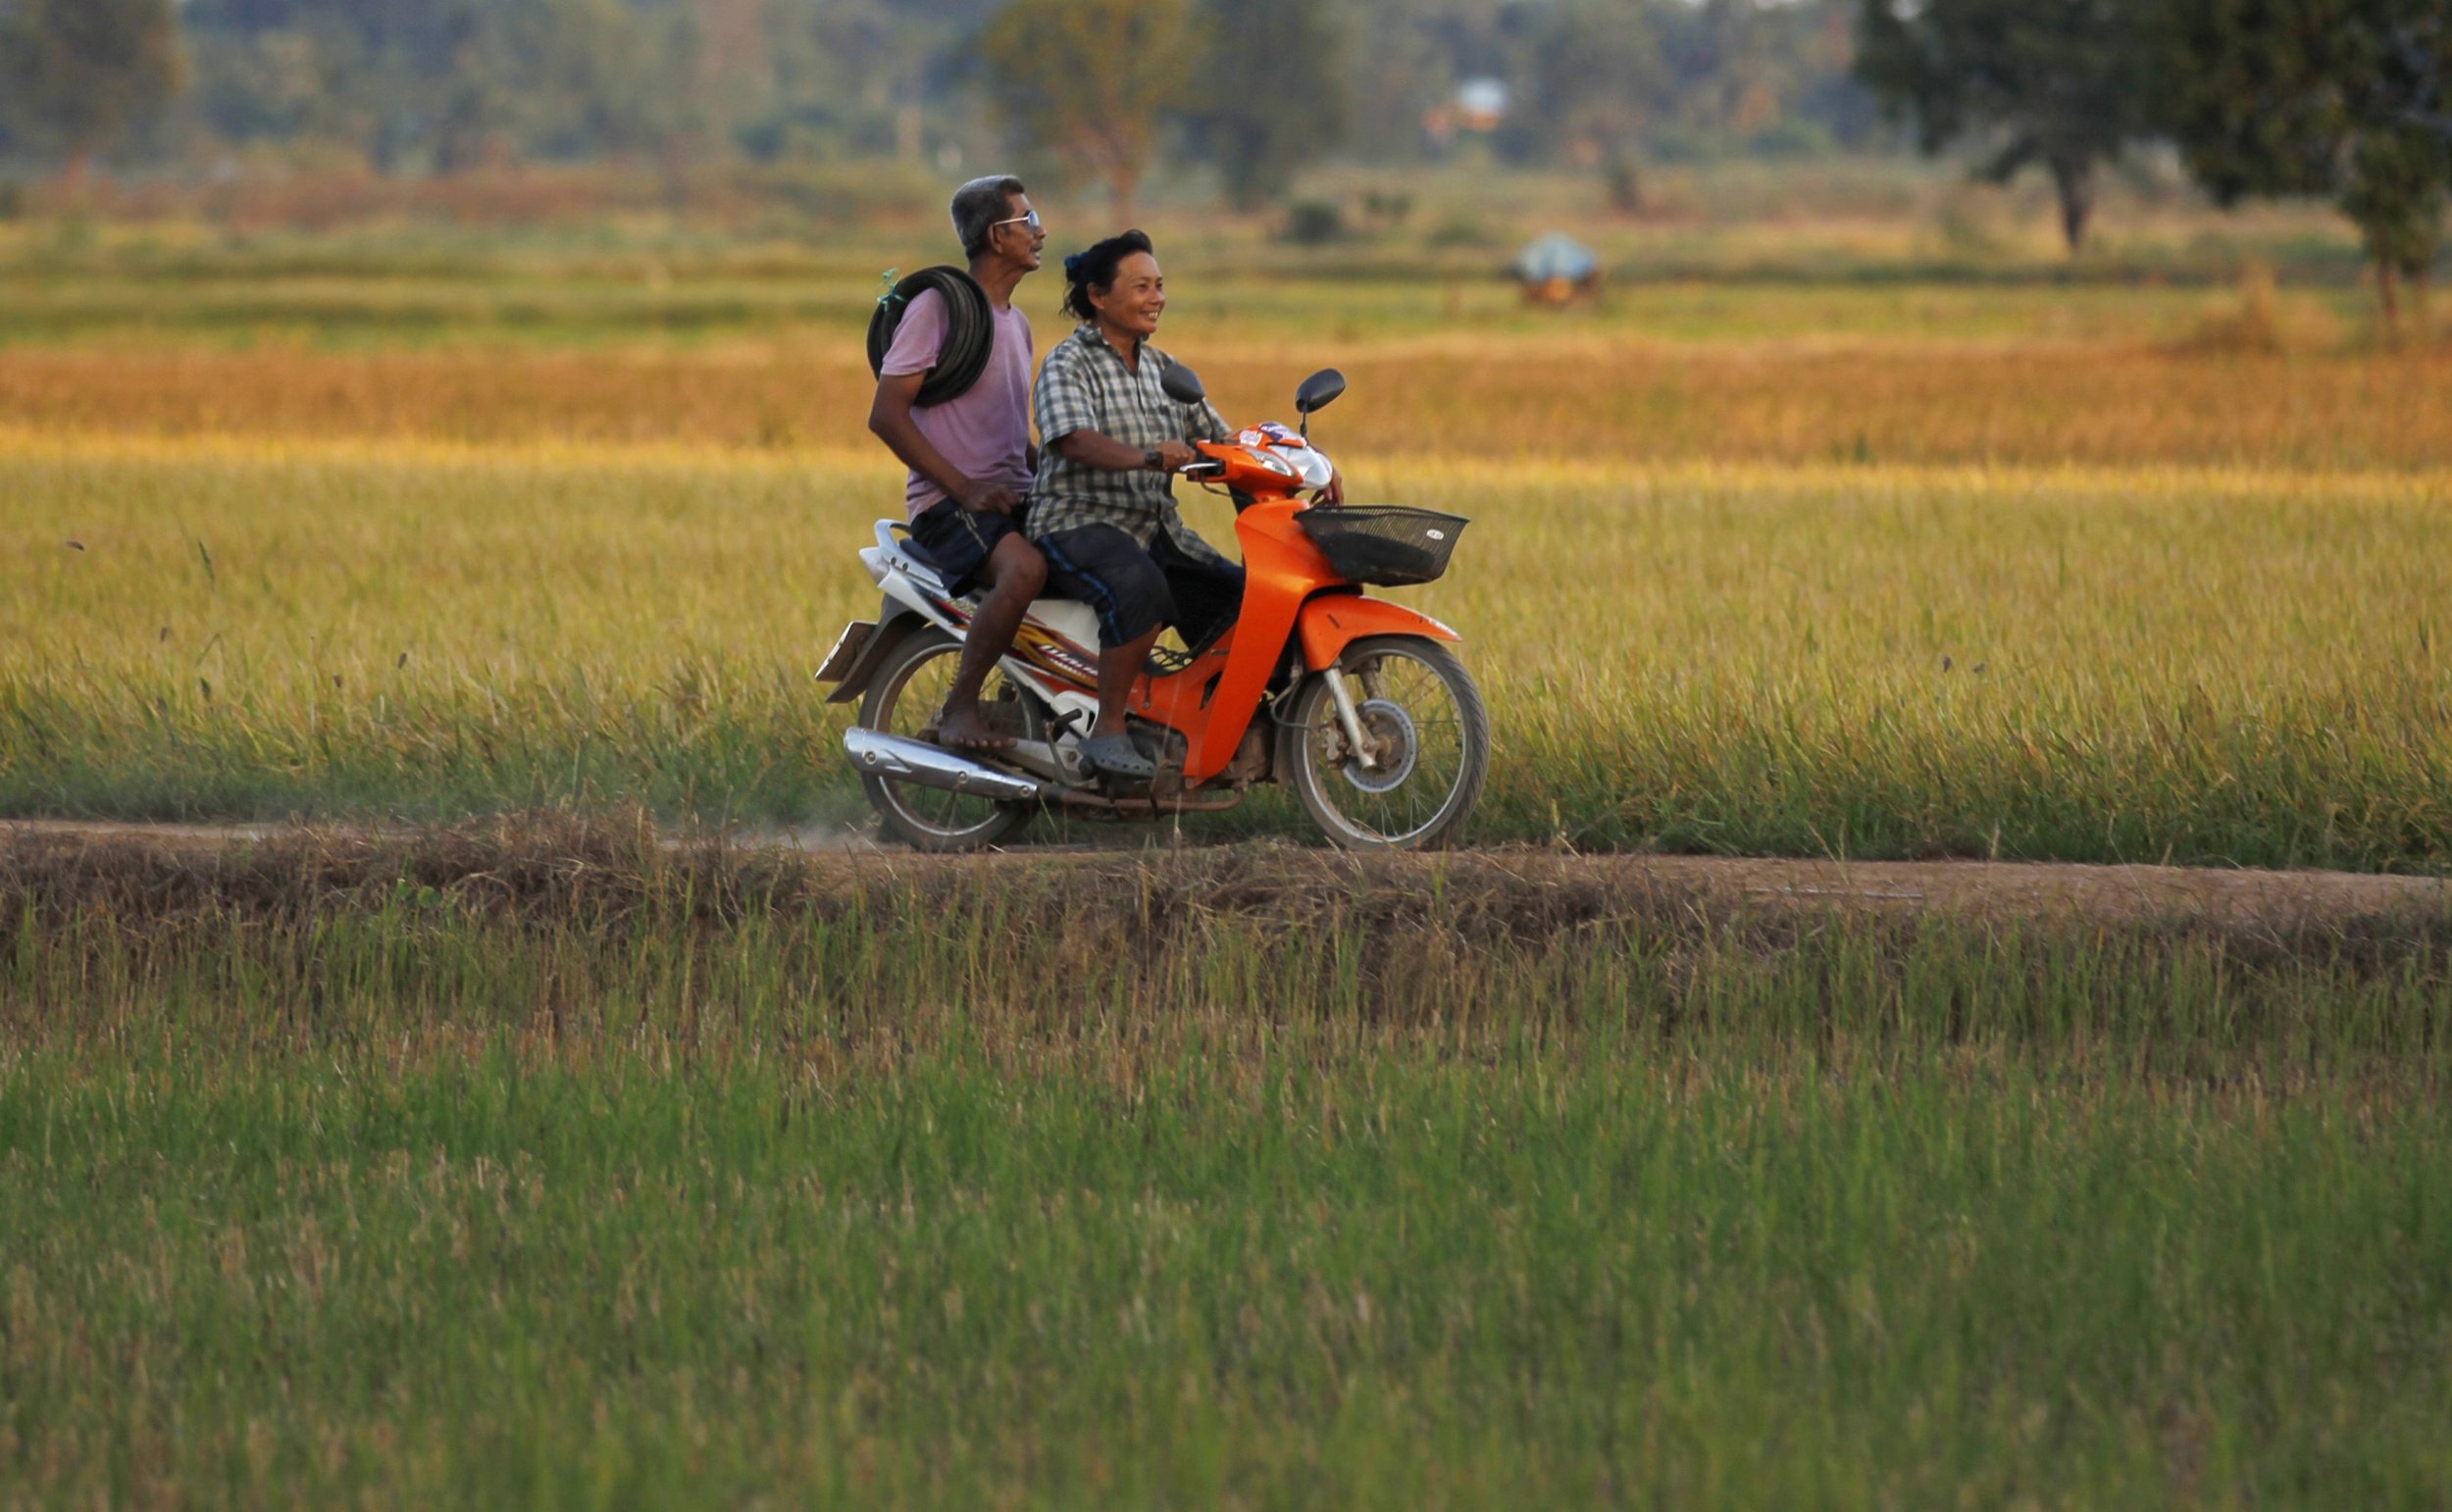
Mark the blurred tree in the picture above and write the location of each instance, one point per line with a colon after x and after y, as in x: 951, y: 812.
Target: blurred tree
x: 290, y: 83
x: 1396, y: 79
x: 2346, y: 98
x: 858, y: 77
x: 1729, y: 62
x: 77, y: 73
x: 2062, y: 84
x: 580, y: 79
x: 1613, y: 80
x: 404, y: 82
x: 1271, y: 91
x: 1089, y: 80
x: 450, y: 84
x: 473, y: 92
x: 1597, y: 71
x: 418, y: 84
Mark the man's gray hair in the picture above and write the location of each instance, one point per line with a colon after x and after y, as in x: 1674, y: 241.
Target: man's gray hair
x: 979, y: 205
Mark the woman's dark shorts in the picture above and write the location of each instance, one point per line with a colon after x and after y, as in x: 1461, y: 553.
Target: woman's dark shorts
x: 960, y: 541
x: 1134, y: 590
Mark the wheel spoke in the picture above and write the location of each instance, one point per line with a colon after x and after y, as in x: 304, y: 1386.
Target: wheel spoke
x: 1428, y: 743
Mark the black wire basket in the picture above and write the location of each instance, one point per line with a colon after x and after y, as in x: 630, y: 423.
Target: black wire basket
x: 1384, y: 545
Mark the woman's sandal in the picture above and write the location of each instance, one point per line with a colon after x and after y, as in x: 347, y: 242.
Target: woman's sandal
x: 1116, y: 756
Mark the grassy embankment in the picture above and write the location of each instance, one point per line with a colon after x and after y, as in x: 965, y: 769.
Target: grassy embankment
x: 559, y: 1169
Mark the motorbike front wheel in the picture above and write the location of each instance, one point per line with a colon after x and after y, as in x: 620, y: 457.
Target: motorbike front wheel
x: 904, y: 699
x: 1429, y: 747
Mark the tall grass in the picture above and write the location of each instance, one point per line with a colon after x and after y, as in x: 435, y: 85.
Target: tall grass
x: 2233, y: 666
x: 563, y: 1169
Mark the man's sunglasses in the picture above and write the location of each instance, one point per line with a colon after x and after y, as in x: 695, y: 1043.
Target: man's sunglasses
x: 1030, y: 219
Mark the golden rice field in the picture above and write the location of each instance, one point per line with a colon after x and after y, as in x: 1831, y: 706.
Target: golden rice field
x: 2228, y: 665
x: 1571, y: 398
x: 2085, y: 569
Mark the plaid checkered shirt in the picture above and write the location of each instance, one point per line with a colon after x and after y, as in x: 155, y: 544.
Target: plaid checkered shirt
x: 1084, y: 385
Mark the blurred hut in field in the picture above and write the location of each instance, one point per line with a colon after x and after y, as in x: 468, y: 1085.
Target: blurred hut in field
x: 1557, y: 271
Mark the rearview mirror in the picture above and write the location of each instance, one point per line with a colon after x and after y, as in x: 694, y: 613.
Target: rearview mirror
x: 1319, y: 391
x: 1182, y: 384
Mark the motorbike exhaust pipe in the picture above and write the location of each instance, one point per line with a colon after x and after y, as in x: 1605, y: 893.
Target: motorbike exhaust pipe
x: 883, y: 755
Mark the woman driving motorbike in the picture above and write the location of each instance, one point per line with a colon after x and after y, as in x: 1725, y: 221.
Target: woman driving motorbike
x: 1103, y: 507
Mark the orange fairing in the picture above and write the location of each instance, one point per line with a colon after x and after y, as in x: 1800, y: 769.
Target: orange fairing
x: 1332, y: 622
x: 1291, y: 595
x: 1280, y: 568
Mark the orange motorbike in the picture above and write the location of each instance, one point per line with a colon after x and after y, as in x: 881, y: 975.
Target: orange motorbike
x: 1355, y: 702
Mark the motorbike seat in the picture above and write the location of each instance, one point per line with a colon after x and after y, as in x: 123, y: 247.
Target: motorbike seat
x: 1070, y: 619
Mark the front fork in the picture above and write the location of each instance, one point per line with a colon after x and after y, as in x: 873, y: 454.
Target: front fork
x: 1349, y: 717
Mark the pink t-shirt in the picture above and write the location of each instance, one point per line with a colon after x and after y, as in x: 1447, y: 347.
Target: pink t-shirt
x: 986, y: 433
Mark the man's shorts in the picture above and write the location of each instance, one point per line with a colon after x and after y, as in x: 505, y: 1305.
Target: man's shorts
x: 960, y: 541
x: 1134, y: 590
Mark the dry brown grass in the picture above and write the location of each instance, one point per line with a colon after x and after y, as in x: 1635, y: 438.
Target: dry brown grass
x: 1592, y: 401
x: 1404, y: 916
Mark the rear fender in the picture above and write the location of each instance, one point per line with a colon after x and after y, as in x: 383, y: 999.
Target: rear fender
x: 894, y: 622
x: 1331, y: 622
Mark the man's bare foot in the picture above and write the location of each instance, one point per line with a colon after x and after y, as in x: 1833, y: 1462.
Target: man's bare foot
x: 962, y: 729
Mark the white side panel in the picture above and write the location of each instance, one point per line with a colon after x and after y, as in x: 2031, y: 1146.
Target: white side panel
x: 906, y: 581
x: 902, y: 590
x: 1069, y: 618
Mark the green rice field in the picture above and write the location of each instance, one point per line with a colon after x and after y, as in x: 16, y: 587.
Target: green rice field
x: 529, y: 1168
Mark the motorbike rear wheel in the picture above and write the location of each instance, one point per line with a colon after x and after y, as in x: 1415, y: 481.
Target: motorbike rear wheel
x: 1430, y: 735
x: 903, y: 699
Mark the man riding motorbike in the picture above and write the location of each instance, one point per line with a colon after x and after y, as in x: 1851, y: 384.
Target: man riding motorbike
x: 1102, y: 509
x: 970, y: 457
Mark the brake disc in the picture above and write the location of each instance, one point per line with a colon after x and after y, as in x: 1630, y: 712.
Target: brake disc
x: 1400, y: 746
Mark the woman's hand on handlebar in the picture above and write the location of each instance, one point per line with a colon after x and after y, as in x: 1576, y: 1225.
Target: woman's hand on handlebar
x: 1335, y: 493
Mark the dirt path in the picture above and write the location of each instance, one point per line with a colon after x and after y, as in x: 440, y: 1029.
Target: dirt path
x: 2235, y: 899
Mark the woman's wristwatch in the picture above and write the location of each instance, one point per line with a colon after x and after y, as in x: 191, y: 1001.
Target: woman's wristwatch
x: 1153, y: 461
